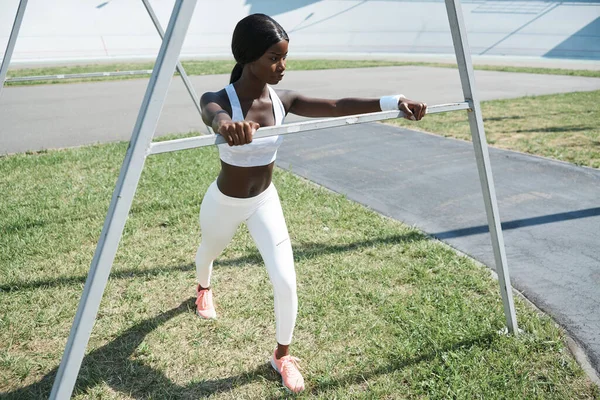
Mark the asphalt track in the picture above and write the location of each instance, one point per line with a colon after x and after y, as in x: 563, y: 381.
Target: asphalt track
x: 550, y: 210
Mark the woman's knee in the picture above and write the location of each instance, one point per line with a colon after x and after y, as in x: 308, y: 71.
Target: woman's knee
x: 207, y: 252
x: 284, y: 281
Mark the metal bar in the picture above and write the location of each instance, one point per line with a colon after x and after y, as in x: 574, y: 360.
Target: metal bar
x: 465, y: 68
x: 12, y: 40
x: 201, y: 141
x: 182, y: 73
x: 122, y: 198
x: 77, y: 76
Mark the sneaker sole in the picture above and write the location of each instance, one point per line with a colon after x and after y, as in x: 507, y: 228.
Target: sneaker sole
x: 282, y: 383
x: 209, y: 317
x: 274, y: 366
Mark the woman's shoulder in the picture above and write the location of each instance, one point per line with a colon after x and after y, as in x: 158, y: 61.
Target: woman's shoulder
x: 219, y: 97
x: 221, y: 94
x: 284, y: 92
x: 286, y: 97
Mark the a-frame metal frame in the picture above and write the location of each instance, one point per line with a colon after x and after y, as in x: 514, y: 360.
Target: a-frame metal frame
x: 12, y: 40
x: 155, y: 22
x: 141, y: 146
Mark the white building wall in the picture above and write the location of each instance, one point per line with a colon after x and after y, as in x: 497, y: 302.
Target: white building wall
x: 110, y: 29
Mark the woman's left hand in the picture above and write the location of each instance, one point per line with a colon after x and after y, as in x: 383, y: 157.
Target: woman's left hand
x: 412, y: 110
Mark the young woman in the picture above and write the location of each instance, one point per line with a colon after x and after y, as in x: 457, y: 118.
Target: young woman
x: 243, y: 191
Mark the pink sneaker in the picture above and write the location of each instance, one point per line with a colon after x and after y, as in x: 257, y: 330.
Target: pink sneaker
x: 291, y: 377
x: 204, y: 304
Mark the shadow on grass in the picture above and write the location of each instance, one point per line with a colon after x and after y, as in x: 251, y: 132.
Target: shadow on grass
x: 558, y: 129
x: 312, y: 250
x: 509, y: 117
x: 28, y: 222
x: 395, y: 364
x: 112, y: 365
x: 303, y: 251
x: 23, y: 225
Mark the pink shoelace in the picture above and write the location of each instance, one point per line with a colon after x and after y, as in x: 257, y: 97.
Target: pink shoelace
x: 290, y: 367
x: 203, y: 299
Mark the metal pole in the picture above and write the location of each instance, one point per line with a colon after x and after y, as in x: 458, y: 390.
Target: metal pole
x: 11, y: 42
x: 182, y: 73
x: 201, y: 141
x: 122, y: 198
x: 465, y: 68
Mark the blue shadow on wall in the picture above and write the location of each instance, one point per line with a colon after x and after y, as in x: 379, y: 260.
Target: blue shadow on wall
x: 584, y: 44
x: 275, y: 7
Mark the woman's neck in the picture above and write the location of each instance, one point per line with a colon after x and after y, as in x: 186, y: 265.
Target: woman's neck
x: 249, y: 86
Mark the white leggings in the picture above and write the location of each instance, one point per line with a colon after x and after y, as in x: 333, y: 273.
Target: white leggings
x: 221, y: 215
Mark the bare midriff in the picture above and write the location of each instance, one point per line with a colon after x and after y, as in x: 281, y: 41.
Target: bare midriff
x: 244, y: 182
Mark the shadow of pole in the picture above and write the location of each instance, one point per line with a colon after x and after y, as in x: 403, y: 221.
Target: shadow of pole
x: 303, y: 251
x: 107, y: 363
x: 112, y: 364
x: 520, y: 223
x: 395, y: 364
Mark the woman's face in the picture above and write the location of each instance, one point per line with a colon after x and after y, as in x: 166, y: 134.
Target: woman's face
x: 271, y: 66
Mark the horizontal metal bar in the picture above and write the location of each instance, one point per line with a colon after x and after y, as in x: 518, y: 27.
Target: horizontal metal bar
x: 78, y: 76
x: 201, y: 141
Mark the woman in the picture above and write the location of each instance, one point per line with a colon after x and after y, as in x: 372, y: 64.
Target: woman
x: 243, y: 191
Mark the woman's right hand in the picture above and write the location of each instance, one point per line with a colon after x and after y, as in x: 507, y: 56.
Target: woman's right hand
x: 238, y: 133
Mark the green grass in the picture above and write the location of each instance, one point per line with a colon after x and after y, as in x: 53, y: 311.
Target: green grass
x: 385, y: 312
x: 224, y: 67
x: 561, y: 126
x: 210, y: 67
x: 536, y: 70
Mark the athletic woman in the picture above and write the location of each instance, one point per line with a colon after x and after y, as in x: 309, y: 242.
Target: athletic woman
x: 243, y: 191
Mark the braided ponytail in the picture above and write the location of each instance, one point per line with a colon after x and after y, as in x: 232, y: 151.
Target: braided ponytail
x: 236, y: 72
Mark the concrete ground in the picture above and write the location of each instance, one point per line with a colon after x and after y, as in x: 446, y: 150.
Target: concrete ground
x: 550, y: 210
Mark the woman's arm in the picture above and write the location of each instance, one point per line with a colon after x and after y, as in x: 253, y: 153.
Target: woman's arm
x: 213, y: 115
x: 298, y: 104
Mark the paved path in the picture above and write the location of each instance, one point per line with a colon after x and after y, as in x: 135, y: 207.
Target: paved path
x: 55, y: 116
x: 550, y: 210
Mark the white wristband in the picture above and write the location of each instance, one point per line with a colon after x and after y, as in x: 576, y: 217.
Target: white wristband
x: 390, y: 103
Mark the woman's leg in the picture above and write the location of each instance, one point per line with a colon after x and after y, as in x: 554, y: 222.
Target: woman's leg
x: 268, y: 229
x: 218, y: 223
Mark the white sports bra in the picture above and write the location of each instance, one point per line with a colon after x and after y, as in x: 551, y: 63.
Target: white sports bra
x: 262, y: 151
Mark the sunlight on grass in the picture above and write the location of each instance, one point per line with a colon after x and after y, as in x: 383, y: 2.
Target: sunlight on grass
x: 385, y: 312
x: 565, y: 126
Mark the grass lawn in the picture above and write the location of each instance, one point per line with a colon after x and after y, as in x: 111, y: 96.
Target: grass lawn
x: 561, y: 126
x: 224, y: 67
x: 385, y: 312
x: 209, y: 67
